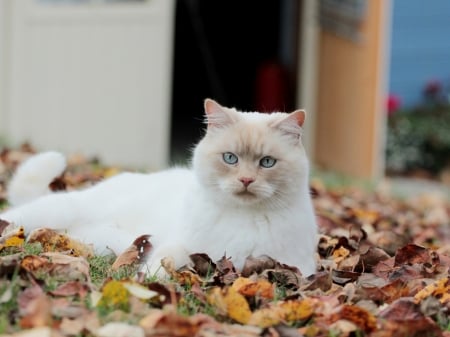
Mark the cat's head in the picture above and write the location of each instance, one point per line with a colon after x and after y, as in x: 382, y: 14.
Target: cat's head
x: 251, y: 158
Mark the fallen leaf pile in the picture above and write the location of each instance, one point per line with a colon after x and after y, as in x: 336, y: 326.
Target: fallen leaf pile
x: 383, y: 271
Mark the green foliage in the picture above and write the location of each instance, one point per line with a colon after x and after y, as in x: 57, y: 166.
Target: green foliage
x: 34, y: 248
x: 190, y: 305
x: 100, y: 268
x: 418, y: 139
x: 9, y: 291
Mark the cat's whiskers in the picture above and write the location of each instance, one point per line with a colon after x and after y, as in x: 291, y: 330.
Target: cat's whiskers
x: 278, y: 200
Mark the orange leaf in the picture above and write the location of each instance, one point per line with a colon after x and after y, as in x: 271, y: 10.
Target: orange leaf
x: 52, y: 241
x: 439, y: 289
x: 250, y: 288
x: 359, y: 316
x: 230, y: 302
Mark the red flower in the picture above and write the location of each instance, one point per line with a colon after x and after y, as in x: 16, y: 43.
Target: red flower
x: 393, y: 104
x: 432, y: 88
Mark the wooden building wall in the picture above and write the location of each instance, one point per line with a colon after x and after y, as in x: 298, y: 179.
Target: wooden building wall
x: 350, y: 97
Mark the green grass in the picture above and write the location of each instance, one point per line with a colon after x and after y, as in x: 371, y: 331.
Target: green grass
x: 334, y: 180
x: 100, y: 268
x: 9, y: 290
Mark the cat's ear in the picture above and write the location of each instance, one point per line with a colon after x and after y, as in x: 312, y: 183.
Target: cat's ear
x: 217, y: 115
x: 292, y: 123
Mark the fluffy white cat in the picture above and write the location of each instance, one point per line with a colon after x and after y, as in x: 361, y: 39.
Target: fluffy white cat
x: 247, y: 193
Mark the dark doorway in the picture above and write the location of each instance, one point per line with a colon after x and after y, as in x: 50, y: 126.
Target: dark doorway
x: 240, y: 53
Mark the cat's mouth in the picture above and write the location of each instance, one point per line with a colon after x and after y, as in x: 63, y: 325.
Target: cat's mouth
x: 246, y: 194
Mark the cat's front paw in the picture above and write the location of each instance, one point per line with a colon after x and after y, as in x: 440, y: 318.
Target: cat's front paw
x: 154, y: 271
x: 165, y: 261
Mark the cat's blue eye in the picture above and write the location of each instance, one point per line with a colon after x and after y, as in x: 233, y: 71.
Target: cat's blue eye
x: 267, y: 162
x: 230, y: 158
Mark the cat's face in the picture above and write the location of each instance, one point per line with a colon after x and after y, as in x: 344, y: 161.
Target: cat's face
x: 251, y: 158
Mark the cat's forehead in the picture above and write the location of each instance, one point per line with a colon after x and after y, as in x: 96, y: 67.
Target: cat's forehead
x: 252, y: 136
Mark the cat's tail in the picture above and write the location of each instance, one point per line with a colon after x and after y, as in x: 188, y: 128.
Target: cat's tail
x: 33, y: 177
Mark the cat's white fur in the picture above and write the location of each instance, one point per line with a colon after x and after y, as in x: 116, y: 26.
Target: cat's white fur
x: 203, y: 209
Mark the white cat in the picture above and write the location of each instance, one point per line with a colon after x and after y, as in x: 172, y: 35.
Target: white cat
x: 247, y: 193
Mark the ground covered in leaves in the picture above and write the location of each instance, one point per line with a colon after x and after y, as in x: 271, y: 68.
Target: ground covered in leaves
x: 383, y: 271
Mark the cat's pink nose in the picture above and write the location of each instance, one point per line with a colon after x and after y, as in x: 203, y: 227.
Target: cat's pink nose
x: 246, y: 181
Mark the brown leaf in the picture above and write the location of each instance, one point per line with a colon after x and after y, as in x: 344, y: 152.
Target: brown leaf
x: 380, y: 290
x: 135, y: 254
x: 225, y: 272
x: 72, y: 288
x: 34, y: 263
x: 58, y: 184
x: 9, y: 263
x: 404, y: 318
x: 342, y: 277
x: 321, y: 280
x: 119, y: 329
x: 368, y: 260
x: 412, y: 254
x: 257, y: 265
x: 421, y: 327
x: 388, y: 240
x: 52, y: 241
x: 34, y: 308
x: 169, y: 324
x: 182, y: 276
x: 402, y: 310
x: 203, y: 264
x: 66, y: 266
x: 359, y: 316
x: 3, y: 225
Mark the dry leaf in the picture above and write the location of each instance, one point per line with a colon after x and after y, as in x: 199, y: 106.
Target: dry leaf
x: 261, y: 288
x: 52, y: 241
x: 231, y: 302
x: 119, y: 329
x: 135, y: 254
x: 72, y: 288
x: 139, y: 291
x: 35, y: 308
x: 439, y: 289
x: 12, y: 237
x: 358, y: 316
x: 169, y: 324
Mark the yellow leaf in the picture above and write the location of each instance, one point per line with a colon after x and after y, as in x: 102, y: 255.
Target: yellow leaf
x: 237, y: 306
x: 231, y: 303
x: 439, y: 289
x: 111, y: 171
x: 266, y: 317
x: 114, y: 296
x: 14, y: 238
x: 240, y: 282
x: 340, y: 254
x: 296, y: 310
x: 215, y: 298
